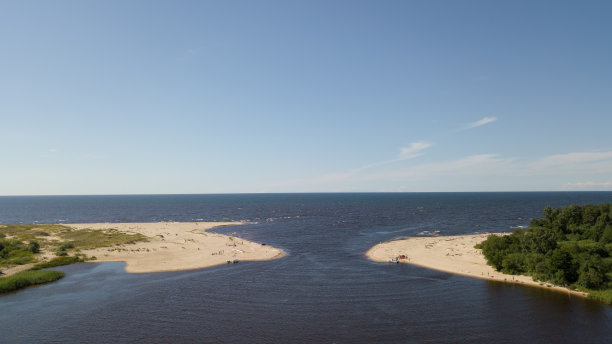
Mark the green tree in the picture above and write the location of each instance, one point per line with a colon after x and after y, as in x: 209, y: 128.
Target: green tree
x: 513, y: 263
x: 568, y: 246
x: 592, y: 275
x: 606, y: 236
x: 494, y: 250
x: 540, y: 240
x: 564, y: 267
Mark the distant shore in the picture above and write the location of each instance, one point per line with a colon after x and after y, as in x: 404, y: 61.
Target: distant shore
x: 173, y: 246
x: 452, y: 254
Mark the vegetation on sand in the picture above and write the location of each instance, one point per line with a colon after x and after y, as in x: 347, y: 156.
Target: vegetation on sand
x: 16, y: 252
x: 92, y: 238
x: 27, y: 244
x: 59, y: 261
x: 570, y: 246
x: 23, y: 244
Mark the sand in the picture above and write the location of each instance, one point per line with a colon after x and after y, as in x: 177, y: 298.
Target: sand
x: 452, y: 254
x: 176, y: 246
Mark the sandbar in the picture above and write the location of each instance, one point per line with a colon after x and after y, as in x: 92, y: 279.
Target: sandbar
x: 174, y: 246
x: 452, y: 254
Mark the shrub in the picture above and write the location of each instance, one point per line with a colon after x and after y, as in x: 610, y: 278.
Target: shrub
x: 14, y: 252
x: 66, y: 245
x: 34, y: 247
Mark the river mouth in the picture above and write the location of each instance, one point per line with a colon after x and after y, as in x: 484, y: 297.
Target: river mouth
x: 323, y: 290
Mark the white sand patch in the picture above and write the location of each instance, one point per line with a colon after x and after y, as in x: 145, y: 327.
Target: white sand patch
x: 452, y: 254
x: 177, y: 246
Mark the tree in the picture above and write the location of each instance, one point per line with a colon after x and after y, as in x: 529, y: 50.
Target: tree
x: 563, y: 266
x: 540, y: 239
x: 591, y: 274
x: 494, y: 250
x: 606, y: 237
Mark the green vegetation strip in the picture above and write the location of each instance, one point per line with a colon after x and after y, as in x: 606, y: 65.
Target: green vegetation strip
x: 28, y: 278
x: 570, y: 247
x: 92, y: 238
x: 58, y: 261
x: 22, y: 244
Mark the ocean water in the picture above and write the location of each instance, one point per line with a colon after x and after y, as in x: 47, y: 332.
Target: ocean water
x: 323, y: 291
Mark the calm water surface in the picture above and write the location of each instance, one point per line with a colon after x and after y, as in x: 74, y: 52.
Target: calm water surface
x: 323, y: 291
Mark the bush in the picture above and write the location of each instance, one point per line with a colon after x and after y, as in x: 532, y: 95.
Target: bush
x: 14, y: 252
x: 65, y: 245
x: 34, y: 247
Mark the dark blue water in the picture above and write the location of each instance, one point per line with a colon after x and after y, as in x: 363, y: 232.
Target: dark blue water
x: 323, y: 291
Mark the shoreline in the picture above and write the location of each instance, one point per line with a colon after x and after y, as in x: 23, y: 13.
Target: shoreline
x: 177, y: 246
x: 454, y: 255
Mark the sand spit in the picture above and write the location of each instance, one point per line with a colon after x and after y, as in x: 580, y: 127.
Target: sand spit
x: 177, y: 246
x: 452, y: 254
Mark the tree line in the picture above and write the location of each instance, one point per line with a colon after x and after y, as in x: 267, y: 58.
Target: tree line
x: 569, y: 246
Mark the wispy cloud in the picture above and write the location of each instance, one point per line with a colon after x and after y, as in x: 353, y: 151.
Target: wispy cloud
x: 414, y: 150
x: 571, y: 164
x: 481, y: 122
x: 480, y: 164
x: 483, y: 172
x: 574, y: 158
x: 588, y: 185
x: 540, y: 174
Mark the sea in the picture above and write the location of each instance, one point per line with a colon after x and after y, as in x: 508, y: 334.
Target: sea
x: 323, y: 291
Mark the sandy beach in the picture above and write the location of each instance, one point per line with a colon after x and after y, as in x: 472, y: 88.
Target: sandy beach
x: 452, y: 254
x: 177, y: 246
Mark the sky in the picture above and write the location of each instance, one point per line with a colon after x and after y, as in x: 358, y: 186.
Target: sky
x: 156, y: 97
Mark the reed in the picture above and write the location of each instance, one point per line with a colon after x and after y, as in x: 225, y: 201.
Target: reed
x: 28, y: 278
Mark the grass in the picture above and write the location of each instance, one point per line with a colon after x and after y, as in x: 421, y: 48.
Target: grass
x: 28, y: 278
x: 92, y: 238
x: 81, y: 239
x: 59, y: 261
x: 601, y: 295
x: 17, y: 258
x: 31, y: 232
x: 21, y: 244
x: 17, y: 239
x: 15, y: 252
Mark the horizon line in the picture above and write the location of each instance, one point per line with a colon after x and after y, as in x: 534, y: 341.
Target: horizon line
x: 306, y: 193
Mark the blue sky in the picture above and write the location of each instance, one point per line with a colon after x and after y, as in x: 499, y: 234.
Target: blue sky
x: 122, y: 97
